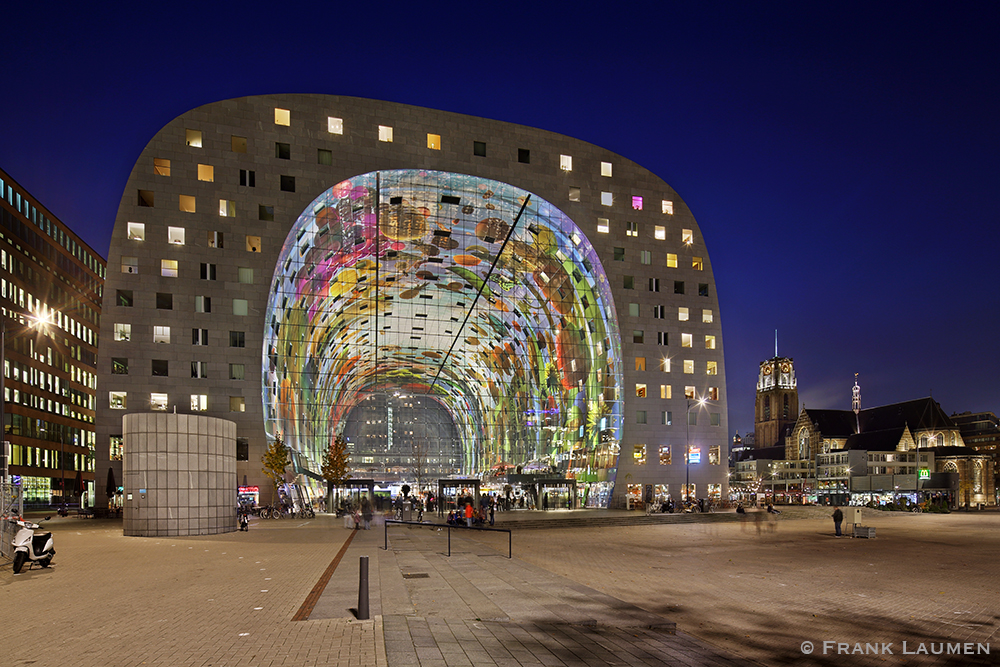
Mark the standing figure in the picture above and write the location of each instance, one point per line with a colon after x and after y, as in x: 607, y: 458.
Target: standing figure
x: 838, y: 518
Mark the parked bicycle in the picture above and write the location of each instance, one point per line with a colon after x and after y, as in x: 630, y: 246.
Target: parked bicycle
x: 307, y: 513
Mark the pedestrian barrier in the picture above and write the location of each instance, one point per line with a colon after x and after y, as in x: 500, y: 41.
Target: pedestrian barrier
x: 449, y: 527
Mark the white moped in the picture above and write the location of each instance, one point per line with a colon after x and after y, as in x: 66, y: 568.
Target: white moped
x: 31, y: 547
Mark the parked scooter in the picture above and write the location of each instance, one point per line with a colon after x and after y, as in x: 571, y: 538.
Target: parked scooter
x: 244, y: 520
x: 31, y: 547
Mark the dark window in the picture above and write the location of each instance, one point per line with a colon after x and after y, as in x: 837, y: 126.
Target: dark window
x: 637, y: 336
x: 265, y: 212
x: 125, y: 298
x: 242, y: 449
x: 248, y: 178
x: 619, y: 254
x: 678, y: 287
x: 159, y: 368
x: 288, y: 184
x: 629, y: 282
x: 523, y: 155
x: 767, y: 408
x: 479, y: 148
x: 282, y: 151
x: 199, y: 336
x: 146, y: 198
x: 237, y: 339
x: 702, y: 289
x: 164, y: 301
x: 661, y: 338
x: 654, y: 284
x: 119, y: 366
x: 324, y: 156
x: 785, y: 411
x: 208, y: 271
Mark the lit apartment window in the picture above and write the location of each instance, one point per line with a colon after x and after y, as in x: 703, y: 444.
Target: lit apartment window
x: 606, y: 169
x: 689, y: 391
x: 161, y: 166
x: 671, y: 260
x: 639, y: 452
x: 712, y: 368
x: 603, y: 225
x: 631, y: 229
x: 215, y: 239
x: 118, y: 400
x: 660, y: 233
x: 665, y: 454
x: 683, y: 315
x: 199, y: 369
x: 199, y: 402
x: 237, y: 372
x: 227, y: 208
x: 203, y: 304
x: 206, y: 172
x: 713, y: 393
x: 238, y: 144
x: 687, y: 236
x: 606, y: 199
x: 193, y: 138
x: 666, y: 391
x: 130, y: 264
x: 706, y: 316
x: 385, y: 133
x: 697, y: 264
x: 566, y: 162
x: 282, y: 116
x: 175, y: 235
x: 237, y: 404
x: 123, y: 331
x: 158, y: 401
x: 637, y: 203
x: 253, y: 243
x: 334, y: 125
x: 136, y: 231
x: 686, y: 339
x: 646, y: 256
x: 240, y: 307
x: 640, y: 363
x: 434, y: 141
x: 574, y: 194
x: 245, y: 275
x: 640, y: 390
x: 689, y: 366
x: 161, y: 334
x: 187, y: 203
x: 709, y: 342
x: 667, y: 207
x: 119, y: 366
x: 665, y: 364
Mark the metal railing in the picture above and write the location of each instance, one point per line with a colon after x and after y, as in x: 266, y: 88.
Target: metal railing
x: 449, y: 527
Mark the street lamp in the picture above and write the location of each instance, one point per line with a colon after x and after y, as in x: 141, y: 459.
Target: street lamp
x: 691, y: 402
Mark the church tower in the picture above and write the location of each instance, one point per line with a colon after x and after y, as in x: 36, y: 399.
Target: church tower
x: 777, y: 402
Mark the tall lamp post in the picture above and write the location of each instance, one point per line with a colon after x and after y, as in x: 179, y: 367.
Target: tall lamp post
x: 691, y: 402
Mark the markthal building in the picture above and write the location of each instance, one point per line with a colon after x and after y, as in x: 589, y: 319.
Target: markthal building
x: 457, y: 296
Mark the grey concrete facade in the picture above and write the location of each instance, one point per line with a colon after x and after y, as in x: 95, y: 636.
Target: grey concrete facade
x: 636, y: 247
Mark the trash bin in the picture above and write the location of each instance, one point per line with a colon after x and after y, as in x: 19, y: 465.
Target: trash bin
x: 868, y: 532
x: 407, y: 511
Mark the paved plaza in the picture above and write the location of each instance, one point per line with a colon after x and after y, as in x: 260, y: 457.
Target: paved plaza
x: 709, y: 592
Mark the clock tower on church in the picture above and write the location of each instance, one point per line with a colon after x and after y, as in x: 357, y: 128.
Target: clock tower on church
x: 777, y: 402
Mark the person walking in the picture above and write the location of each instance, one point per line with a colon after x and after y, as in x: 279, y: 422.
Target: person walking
x: 493, y: 508
x: 468, y: 514
x: 366, y: 512
x: 838, y: 518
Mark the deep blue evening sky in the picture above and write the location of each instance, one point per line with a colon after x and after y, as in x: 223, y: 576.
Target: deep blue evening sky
x: 841, y: 159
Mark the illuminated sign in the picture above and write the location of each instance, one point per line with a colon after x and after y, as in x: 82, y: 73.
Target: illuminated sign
x: 249, y: 489
x: 695, y: 456
x: 925, y: 473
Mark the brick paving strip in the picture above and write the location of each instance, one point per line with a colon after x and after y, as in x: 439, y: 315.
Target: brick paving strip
x: 310, y: 602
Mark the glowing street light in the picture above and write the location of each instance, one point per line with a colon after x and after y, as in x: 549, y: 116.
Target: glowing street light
x: 691, y: 402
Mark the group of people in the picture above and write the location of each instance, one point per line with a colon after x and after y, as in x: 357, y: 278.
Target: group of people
x: 472, y: 516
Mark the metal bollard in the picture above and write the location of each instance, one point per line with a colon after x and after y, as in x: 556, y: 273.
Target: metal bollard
x: 363, y: 590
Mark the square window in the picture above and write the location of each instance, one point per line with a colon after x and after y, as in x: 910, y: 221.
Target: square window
x: 712, y: 394
x: 637, y: 203
x: 324, y: 157
x: 574, y: 195
x: 136, y: 231
x: 640, y: 417
x: 130, y: 264
x: 686, y: 339
x: 665, y: 364
x: 479, y: 148
x: 282, y: 116
x: 175, y: 235
x: 606, y: 169
x: 160, y: 367
x: 245, y: 275
x: 662, y: 337
x: 238, y: 144
x: 434, y: 141
x: 654, y: 284
x: 227, y: 208
x: 689, y: 366
x: 146, y: 198
x: 619, y: 254
x: 603, y: 225
x: 237, y: 372
x: 206, y: 172
x: 631, y: 229
x: 287, y: 183
x: 639, y: 453
x: 659, y: 312
x: 119, y: 366
x: 123, y: 332
x: 282, y: 150
x: 199, y: 336
x: 124, y: 298
x: 714, y: 419
x: 707, y: 317
x: 659, y: 232
x: 240, y: 307
x: 164, y: 301
x: 702, y: 289
x: 678, y: 287
x: 161, y: 166
x: 334, y: 125
x: 203, y: 304
x: 671, y: 260
x: 523, y: 155
x: 640, y: 390
x: 687, y: 236
x: 697, y: 264
x: 193, y: 138
x: 385, y: 133
x: 666, y: 391
x: 640, y: 363
x: 118, y: 400
x: 237, y: 339
x: 265, y: 213
x: 606, y: 199
x: 248, y: 178
x: 645, y: 256
x: 689, y: 391
x: 709, y: 342
x: 633, y: 310
x: 161, y: 334
x: 187, y: 203
x: 199, y: 402
x: 158, y: 401
x: 253, y: 243
x: 208, y: 271
x: 199, y: 369
x: 683, y: 314
x: 628, y: 282
x: 712, y: 368
x: 665, y: 449
x: 667, y: 207
x: 237, y: 404
x: 637, y: 336
x: 215, y: 239
x: 566, y: 162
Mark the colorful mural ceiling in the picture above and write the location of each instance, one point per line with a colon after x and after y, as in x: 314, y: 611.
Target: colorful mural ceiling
x: 395, y: 280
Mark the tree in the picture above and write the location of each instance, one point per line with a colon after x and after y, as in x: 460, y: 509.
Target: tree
x: 336, y: 463
x: 275, y: 460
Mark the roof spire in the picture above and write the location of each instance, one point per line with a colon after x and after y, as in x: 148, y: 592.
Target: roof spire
x: 856, y: 403
x: 775, y: 343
